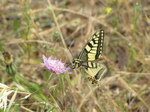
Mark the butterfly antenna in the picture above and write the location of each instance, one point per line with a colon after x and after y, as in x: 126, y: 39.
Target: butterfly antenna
x: 70, y: 48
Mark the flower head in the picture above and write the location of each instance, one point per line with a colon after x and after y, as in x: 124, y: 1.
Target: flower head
x: 108, y: 10
x: 55, y: 66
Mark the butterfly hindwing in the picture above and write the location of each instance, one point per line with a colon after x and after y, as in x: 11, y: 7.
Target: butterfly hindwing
x: 96, y: 74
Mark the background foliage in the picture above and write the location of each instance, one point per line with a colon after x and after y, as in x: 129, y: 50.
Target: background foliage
x: 29, y: 29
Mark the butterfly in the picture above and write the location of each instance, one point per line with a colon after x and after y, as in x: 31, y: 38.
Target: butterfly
x: 87, y: 58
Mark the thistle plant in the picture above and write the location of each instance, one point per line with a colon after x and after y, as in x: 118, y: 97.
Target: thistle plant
x: 10, y: 66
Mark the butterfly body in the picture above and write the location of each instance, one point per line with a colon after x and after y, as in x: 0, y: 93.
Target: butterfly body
x: 86, y: 59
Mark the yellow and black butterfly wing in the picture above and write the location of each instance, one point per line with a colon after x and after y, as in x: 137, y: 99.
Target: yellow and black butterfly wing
x: 96, y: 74
x: 87, y: 57
x: 93, y: 49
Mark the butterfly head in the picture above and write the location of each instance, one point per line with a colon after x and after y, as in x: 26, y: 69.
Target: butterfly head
x: 76, y: 63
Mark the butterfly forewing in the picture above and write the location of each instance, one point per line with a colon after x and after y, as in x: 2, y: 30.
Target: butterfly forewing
x: 93, y: 48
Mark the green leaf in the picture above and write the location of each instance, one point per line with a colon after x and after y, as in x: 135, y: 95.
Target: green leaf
x: 16, y: 25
